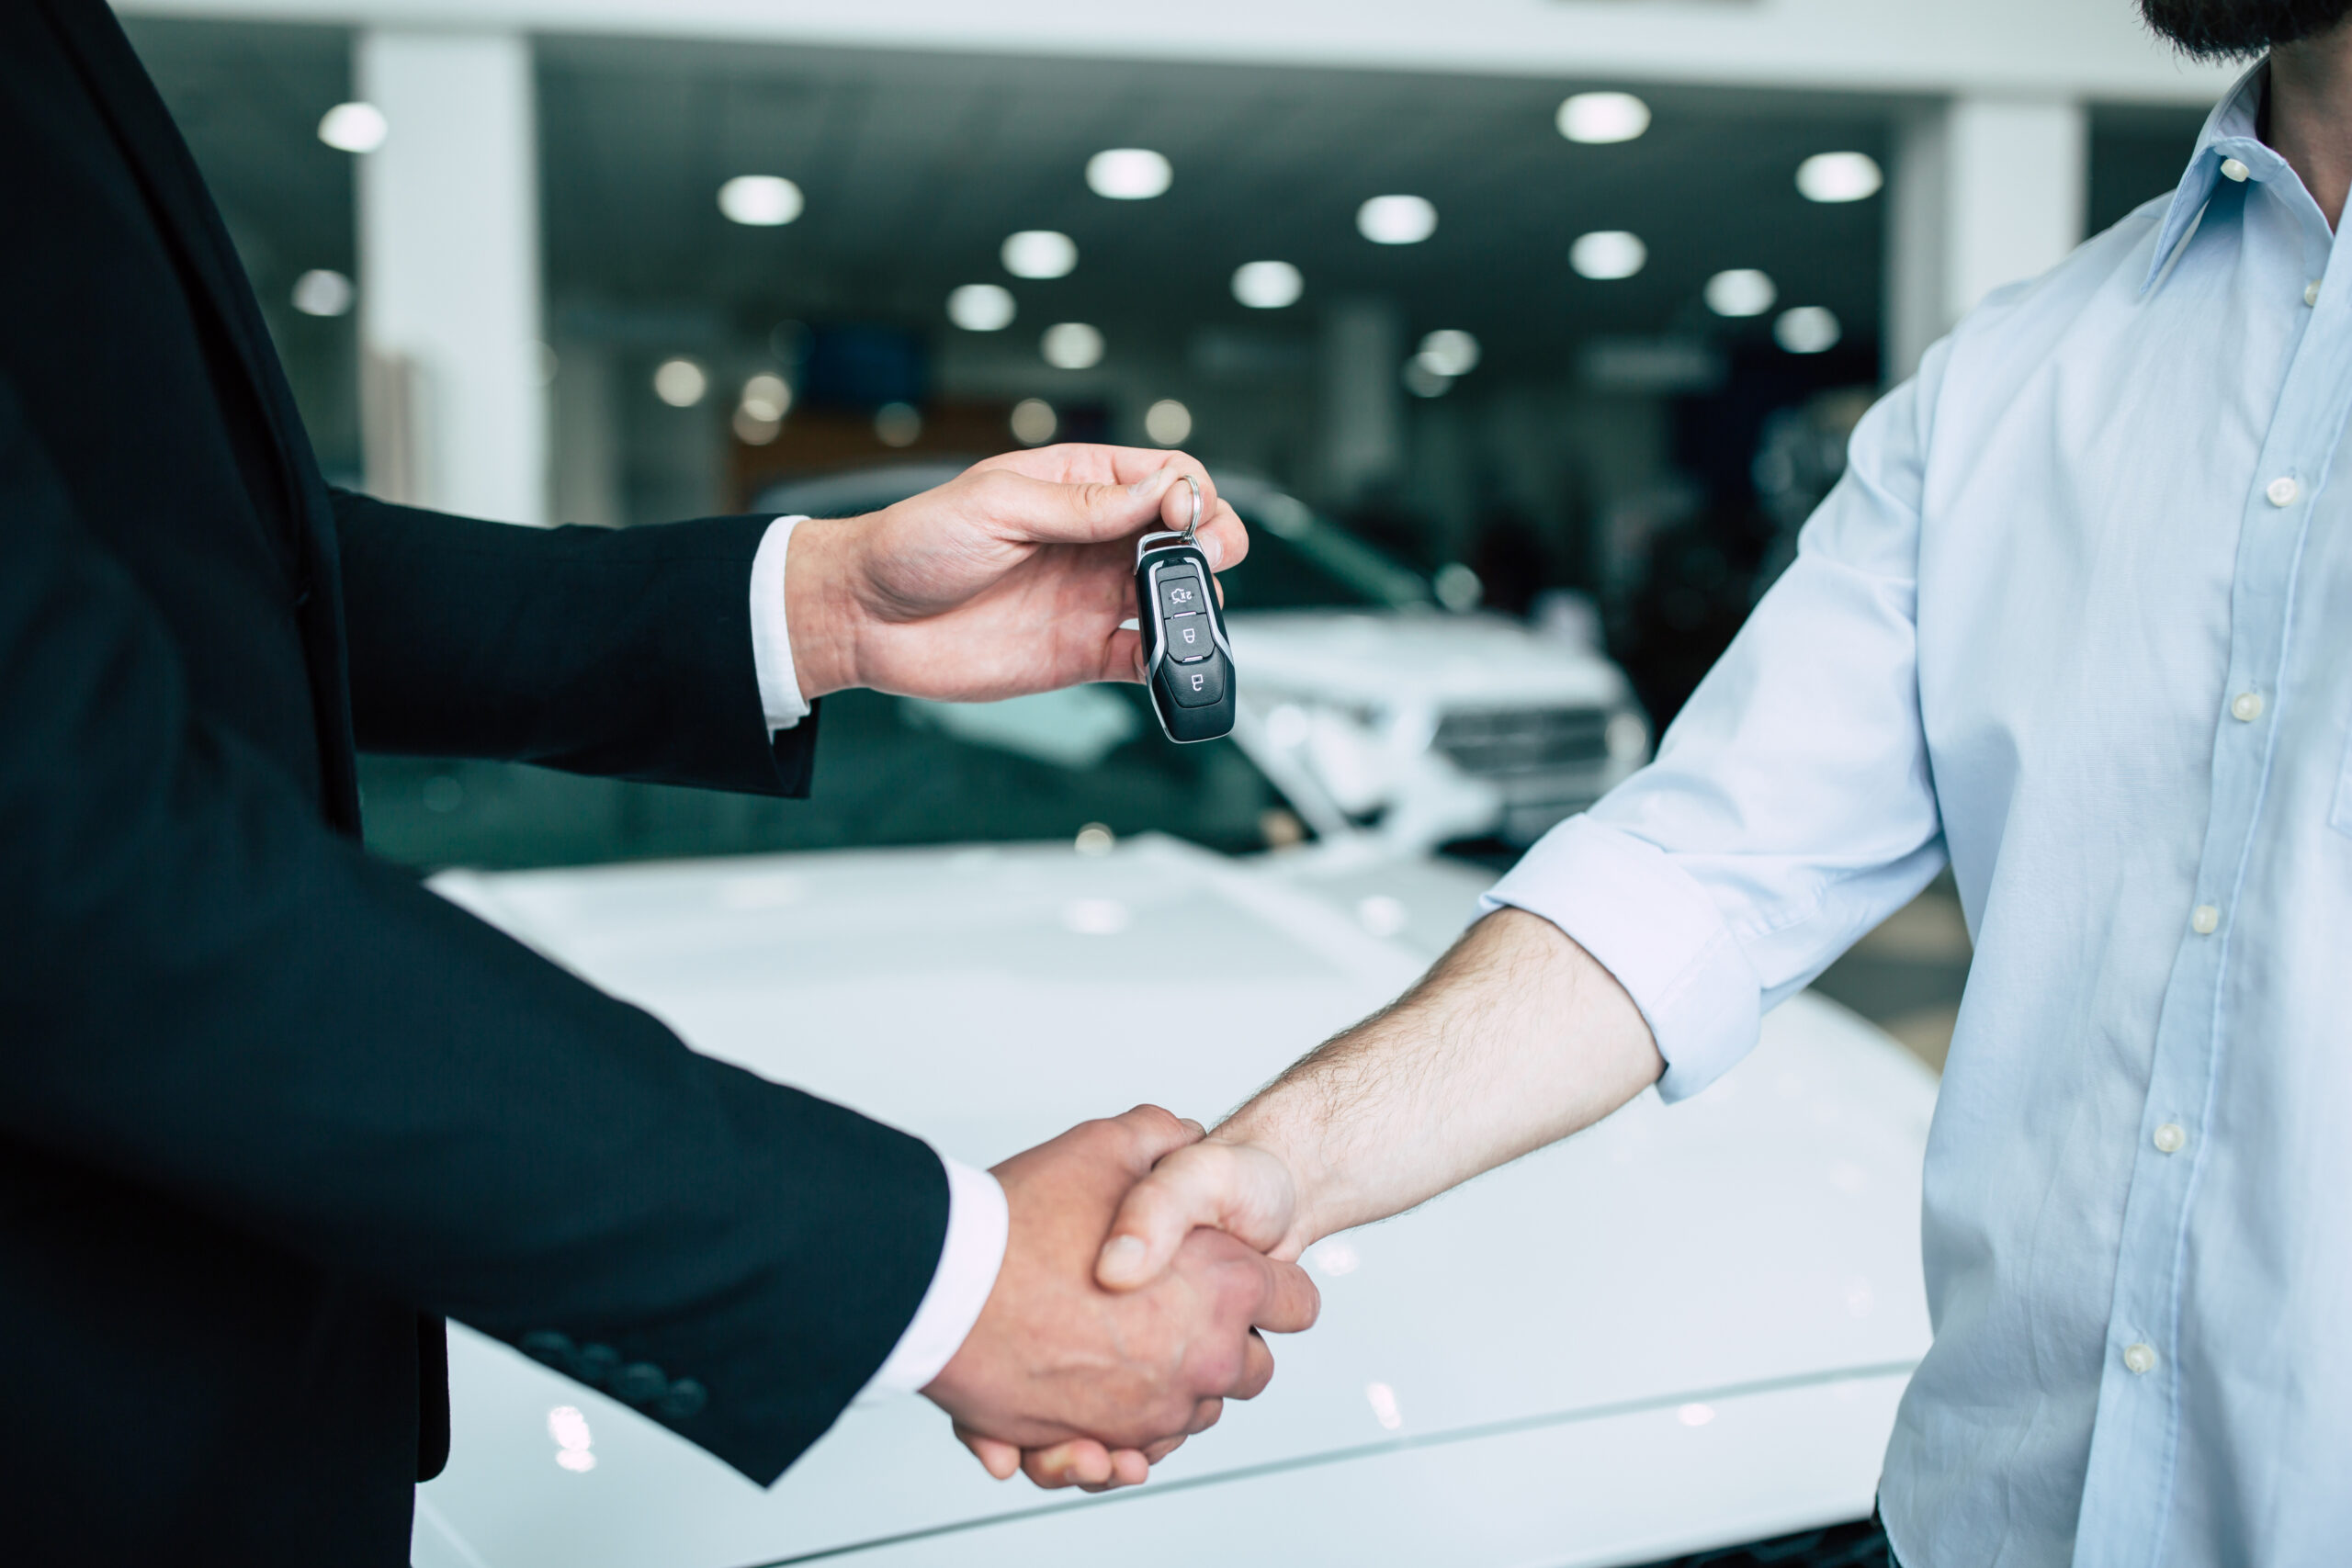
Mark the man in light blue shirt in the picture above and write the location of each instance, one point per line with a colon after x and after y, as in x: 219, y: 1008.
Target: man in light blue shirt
x: 2077, y: 623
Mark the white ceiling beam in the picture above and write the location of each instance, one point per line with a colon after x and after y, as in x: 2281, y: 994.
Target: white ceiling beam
x: 2042, y: 48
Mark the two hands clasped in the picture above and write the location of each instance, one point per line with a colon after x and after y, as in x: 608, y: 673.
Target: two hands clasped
x: 1094, y: 1360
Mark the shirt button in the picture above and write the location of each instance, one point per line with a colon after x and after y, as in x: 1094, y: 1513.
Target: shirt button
x: 2310, y: 292
x: 2282, y: 490
x: 2246, y: 706
x: 2171, y: 1138
x: 2140, y: 1358
x: 2206, y: 920
x: 2234, y: 170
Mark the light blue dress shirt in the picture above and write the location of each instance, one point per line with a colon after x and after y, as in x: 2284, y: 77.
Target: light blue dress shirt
x: 2078, y: 619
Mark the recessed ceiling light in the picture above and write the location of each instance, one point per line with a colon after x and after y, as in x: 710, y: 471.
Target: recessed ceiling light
x: 1808, y: 329
x: 1608, y: 254
x: 981, y: 307
x: 1424, y: 379
x: 1033, y: 422
x: 320, y: 292
x: 1742, y: 292
x: 1039, y: 253
x: 1597, y: 119
x: 1451, y: 352
x: 1071, y: 345
x: 1168, y: 421
x: 680, y: 382
x: 1266, y: 285
x: 1128, y: 174
x: 766, y: 396
x: 763, y: 201
x: 354, y: 128
x: 1397, y: 220
x: 1839, y: 177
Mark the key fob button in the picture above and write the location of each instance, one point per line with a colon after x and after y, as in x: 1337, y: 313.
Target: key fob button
x: 1196, y: 686
x: 1180, y: 594
x: 1189, y: 637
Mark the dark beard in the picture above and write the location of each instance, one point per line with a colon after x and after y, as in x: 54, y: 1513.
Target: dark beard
x: 2224, y: 29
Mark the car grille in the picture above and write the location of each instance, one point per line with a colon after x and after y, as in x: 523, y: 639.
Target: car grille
x: 1508, y: 743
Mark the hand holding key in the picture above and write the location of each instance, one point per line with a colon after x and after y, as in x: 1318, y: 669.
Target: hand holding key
x: 1011, y: 578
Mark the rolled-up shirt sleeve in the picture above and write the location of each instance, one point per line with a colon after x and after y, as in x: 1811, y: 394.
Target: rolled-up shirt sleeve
x: 1791, y: 807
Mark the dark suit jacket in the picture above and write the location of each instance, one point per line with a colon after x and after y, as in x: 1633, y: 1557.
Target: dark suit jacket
x: 268, y: 1109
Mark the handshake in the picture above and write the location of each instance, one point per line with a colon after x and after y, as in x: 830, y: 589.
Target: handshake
x: 1094, y: 1359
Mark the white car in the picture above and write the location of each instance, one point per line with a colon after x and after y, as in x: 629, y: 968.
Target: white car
x: 1378, y: 709
x: 1684, y: 1331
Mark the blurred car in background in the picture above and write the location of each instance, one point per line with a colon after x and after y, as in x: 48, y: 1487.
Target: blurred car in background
x: 1382, y: 703
x: 1682, y: 1331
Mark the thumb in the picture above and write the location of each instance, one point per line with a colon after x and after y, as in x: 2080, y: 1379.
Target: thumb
x: 1041, y: 511
x: 1244, y: 1192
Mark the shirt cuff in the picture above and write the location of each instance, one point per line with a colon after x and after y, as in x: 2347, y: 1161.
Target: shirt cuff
x: 1649, y: 923
x: 977, y: 1224
x: 780, y: 695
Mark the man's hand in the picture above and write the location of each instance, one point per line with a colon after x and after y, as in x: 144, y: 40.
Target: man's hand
x: 1010, y: 578
x: 1098, y: 1386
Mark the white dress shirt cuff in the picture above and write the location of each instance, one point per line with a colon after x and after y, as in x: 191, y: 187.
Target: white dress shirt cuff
x: 1649, y: 923
x: 771, y: 638
x: 977, y: 1224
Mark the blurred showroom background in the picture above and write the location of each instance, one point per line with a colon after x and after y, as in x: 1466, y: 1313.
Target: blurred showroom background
x: 1565, y: 305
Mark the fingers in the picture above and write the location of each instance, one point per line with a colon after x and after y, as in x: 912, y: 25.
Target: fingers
x: 1122, y: 657
x: 999, y: 1460
x: 1154, y: 1133
x: 1292, y: 1303
x: 1228, y: 1187
x: 1257, y: 1368
x: 1082, y: 1461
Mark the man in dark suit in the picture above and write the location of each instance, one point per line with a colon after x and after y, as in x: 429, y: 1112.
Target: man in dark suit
x: 268, y: 1109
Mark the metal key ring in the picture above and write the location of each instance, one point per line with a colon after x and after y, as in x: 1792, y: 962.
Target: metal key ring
x: 1194, y: 527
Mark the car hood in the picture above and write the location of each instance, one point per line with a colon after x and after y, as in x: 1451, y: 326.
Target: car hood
x: 1758, y: 1243
x: 1392, y: 658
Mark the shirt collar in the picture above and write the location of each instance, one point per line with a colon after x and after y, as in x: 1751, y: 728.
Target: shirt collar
x: 2229, y: 133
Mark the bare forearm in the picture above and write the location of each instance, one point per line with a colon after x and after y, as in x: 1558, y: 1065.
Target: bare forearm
x: 1514, y: 1040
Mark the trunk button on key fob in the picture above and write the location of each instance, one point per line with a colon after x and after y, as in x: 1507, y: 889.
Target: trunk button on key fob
x: 1198, y: 686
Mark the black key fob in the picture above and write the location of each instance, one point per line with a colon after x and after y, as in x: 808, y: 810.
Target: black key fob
x: 1188, y: 664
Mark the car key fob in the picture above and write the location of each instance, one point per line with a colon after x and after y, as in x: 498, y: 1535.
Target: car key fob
x: 1188, y: 663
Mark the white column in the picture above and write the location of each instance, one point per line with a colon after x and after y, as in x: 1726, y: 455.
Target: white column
x: 456, y: 413
x: 1363, y: 401
x: 1985, y: 191
x: 585, y: 456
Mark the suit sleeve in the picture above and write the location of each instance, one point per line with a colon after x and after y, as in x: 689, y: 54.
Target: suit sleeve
x: 210, y: 993
x: 622, y: 652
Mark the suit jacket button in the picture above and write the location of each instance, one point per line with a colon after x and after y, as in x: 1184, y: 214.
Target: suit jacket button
x: 640, y: 1383
x: 686, y: 1397
x: 593, y: 1363
x: 546, y: 1345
